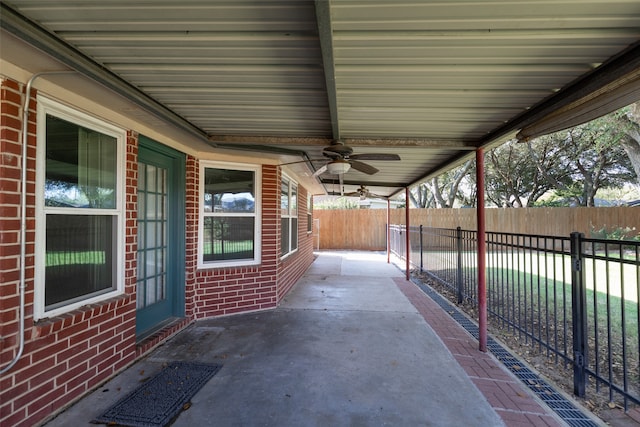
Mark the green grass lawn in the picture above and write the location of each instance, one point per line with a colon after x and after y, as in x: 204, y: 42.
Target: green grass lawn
x: 55, y: 259
x: 608, y: 284
x: 538, y: 285
x: 227, y: 247
x: 533, y: 290
x: 614, y: 277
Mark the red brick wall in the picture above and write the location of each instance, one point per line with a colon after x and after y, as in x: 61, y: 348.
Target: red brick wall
x: 67, y: 355
x: 294, y: 266
x: 223, y: 291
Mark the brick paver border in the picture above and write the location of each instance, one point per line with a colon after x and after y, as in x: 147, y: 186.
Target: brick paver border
x: 511, y: 400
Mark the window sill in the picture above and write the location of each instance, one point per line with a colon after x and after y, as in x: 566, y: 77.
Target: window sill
x: 50, y: 325
x: 223, y: 265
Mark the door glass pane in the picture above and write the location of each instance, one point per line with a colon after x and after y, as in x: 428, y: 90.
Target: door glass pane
x: 151, y: 178
x: 151, y: 234
x: 151, y: 206
x: 150, y: 289
x: 152, y: 243
x: 160, y: 290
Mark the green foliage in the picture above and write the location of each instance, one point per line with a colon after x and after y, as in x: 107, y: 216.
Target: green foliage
x: 551, y: 202
x: 337, y: 203
x: 615, y: 233
x: 575, y: 164
x: 513, y: 175
x: 57, y: 258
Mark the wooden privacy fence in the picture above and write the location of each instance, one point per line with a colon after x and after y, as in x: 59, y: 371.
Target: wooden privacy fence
x: 365, y: 229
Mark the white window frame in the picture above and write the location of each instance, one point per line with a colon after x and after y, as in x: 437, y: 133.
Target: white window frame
x: 289, y: 215
x: 257, y: 215
x: 46, y: 107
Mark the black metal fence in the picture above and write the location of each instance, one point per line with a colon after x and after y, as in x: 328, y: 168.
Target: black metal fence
x: 573, y: 299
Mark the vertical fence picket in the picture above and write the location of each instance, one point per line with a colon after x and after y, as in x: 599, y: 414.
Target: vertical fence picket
x: 578, y: 307
x: 421, y: 250
x: 459, y: 282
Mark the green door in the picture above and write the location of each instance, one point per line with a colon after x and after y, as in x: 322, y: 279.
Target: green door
x: 161, y: 219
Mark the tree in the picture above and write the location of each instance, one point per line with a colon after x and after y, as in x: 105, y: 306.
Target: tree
x: 585, y: 159
x: 628, y: 121
x: 332, y: 202
x: 512, y: 175
x: 574, y: 163
x: 441, y: 191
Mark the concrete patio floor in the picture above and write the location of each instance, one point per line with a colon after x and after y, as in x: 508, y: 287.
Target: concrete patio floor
x: 351, y: 345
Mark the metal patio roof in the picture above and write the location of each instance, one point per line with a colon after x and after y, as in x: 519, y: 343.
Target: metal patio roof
x: 428, y: 80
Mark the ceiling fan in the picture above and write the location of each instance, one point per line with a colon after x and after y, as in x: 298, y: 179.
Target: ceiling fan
x: 341, y: 159
x: 364, y: 193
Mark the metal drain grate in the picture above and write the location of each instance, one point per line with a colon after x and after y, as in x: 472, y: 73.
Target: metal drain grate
x: 565, y: 409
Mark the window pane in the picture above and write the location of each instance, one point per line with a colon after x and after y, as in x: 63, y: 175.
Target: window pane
x: 294, y: 233
x: 228, y: 238
x: 294, y: 199
x: 229, y: 191
x: 284, y: 197
x: 309, y: 214
x: 284, y: 236
x: 80, y: 255
x: 80, y: 166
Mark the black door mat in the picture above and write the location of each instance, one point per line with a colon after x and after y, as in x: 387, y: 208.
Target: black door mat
x: 158, y: 401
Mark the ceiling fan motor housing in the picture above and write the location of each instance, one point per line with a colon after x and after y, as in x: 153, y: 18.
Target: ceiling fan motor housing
x: 337, y: 150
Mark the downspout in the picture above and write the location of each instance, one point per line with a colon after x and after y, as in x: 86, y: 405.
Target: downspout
x: 23, y: 214
x: 482, y: 250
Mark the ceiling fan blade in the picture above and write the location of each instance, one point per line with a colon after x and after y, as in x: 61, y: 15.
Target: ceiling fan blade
x: 320, y: 171
x: 303, y: 161
x: 376, y: 196
x: 374, y: 156
x: 363, y: 167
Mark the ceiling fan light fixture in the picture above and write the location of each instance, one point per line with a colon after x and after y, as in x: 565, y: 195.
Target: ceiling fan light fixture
x: 338, y: 167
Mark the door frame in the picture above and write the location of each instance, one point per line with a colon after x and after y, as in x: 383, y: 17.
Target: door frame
x: 176, y: 240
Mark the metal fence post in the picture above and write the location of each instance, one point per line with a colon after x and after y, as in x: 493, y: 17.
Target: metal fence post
x: 579, y: 315
x: 459, y: 266
x: 421, y: 263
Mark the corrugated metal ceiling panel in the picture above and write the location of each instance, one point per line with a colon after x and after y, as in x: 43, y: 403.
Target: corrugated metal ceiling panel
x: 241, y: 67
x: 458, y: 69
x: 452, y: 71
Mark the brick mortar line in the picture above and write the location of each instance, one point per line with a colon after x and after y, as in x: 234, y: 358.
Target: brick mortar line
x: 496, y: 380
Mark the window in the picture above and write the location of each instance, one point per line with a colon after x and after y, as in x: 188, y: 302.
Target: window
x: 309, y: 214
x: 229, y: 227
x: 289, y: 216
x: 79, y: 214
